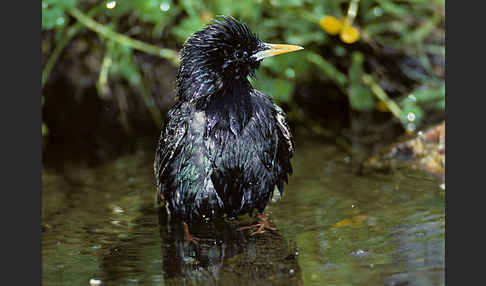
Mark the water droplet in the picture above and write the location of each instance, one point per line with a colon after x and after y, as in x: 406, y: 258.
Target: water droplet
x: 378, y: 11
x: 359, y: 253
x: 290, y: 73
x: 164, y: 7
x: 60, y: 21
x: 412, y: 98
x: 411, y: 116
x: 111, y: 4
x: 411, y: 127
x: 94, y: 281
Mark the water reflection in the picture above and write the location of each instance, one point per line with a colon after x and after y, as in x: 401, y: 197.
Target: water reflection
x: 420, y: 249
x: 225, y: 256
x: 375, y: 229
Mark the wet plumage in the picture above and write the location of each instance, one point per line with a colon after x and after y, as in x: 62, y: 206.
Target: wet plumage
x: 225, y: 146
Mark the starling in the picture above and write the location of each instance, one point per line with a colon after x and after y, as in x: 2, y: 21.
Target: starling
x: 225, y: 146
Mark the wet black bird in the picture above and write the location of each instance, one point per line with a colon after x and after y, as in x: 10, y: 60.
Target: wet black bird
x: 225, y: 146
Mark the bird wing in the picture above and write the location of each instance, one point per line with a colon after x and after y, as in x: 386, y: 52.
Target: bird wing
x: 169, y: 141
x: 283, y: 150
x: 284, y: 129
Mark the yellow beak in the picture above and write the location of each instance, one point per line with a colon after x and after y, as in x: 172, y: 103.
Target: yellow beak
x: 276, y: 49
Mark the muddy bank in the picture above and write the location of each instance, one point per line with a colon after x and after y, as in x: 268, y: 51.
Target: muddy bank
x: 424, y: 151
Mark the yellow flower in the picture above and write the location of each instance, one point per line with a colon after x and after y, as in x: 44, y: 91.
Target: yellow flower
x: 331, y: 25
x: 349, y: 34
x: 334, y: 26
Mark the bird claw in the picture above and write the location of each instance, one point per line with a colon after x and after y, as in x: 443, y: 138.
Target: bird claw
x: 262, y: 225
x: 189, y: 237
x: 192, y: 239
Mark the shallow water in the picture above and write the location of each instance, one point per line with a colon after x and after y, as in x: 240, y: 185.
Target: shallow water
x: 334, y: 228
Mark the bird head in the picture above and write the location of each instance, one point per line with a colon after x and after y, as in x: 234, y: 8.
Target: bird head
x: 223, y: 52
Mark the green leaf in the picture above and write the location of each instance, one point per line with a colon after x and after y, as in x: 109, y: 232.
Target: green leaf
x: 245, y: 10
x: 392, y: 8
x: 123, y: 65
x: 53, y: 13
x: 187, y: 27
x: 297, y: 62
x: 360, y: 96
x: 327, y: 68
x: 425, y: 96
x: 59, y: 3
x: 288, y: 3
x: 280, y: 90
x: 304, y: 38
x: 53, y: 18
x: 192, y: 7
x: 356, y: 69
x: 151, y: 10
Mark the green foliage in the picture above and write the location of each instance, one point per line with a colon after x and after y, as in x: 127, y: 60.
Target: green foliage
x: 123, y: 64
x: 417, y: 102
x: 53, y: 13
x: 426, y: 95
x: 407, y: 25
x: 328, y: 69
x: 360, y: 95
x: 186, y: 28
x: 280, y: 89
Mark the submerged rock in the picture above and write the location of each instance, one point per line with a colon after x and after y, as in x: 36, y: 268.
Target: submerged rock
x: 425, y: 151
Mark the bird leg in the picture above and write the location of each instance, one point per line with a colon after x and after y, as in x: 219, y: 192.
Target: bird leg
x: 262, y: 224
x: 189, y: 236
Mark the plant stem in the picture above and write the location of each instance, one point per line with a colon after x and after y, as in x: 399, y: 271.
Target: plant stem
x: 67, y: 36
x: 352, y: 12
x: 103, y: 77
x: 106, y: 32
x: 382, y: 96
x: 57, y: 51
